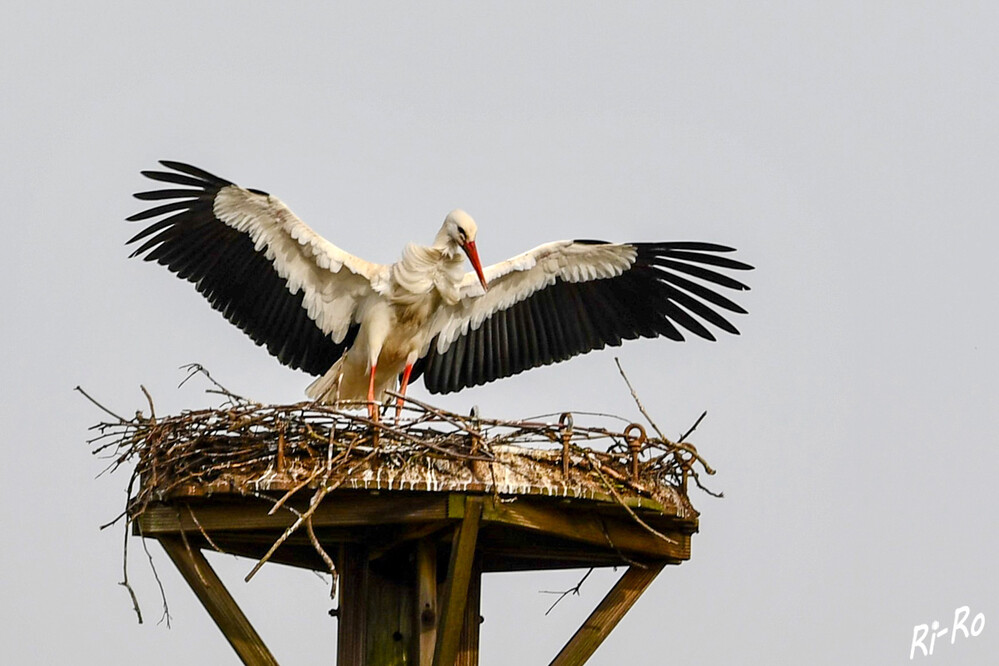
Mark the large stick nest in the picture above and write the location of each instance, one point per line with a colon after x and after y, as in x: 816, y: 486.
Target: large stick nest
x: 246, y: 447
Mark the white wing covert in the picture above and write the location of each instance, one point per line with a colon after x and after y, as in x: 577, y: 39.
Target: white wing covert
x: 519, y: 277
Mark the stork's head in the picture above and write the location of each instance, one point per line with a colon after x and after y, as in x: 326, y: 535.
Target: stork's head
x: 458, y: 231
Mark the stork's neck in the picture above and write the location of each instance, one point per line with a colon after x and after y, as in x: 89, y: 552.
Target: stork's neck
x: 446, y: 245
x: 423, y: 268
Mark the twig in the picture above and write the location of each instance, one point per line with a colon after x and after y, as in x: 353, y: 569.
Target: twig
x: 99, y: 405
x: 121, y: 515
x: 156, y: 576
x: 316, y: 501
x: 453, y: 419
x: 190, y: 551
x: 705, y: 489
x: 124, y: 550
x: 124, y: 576
x: 572, y: 590
x: 201, y: 529
x: 596, y: 468
x: 149, y: 399
x: 196, y: 369
x: 323, y: 554
x: 601, y: 415
x: 638, y: 402
x: 693, y: 427
x: 284, y: 498
x: 610, y: 542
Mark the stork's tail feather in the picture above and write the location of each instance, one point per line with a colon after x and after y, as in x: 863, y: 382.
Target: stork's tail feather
x: 326, y: 389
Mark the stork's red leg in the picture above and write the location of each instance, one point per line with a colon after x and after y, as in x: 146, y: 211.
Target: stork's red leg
x: 402, y: 390
x: 372, y: 407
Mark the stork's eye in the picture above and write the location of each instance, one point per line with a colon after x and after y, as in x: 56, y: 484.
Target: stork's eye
x: 462, y: 235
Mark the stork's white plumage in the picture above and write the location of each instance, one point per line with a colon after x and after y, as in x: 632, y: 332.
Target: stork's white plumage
x: 361, y: 326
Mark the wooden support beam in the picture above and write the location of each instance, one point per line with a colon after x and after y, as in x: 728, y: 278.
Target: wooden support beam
x: 349, y: 509
x: 426, y: 601
x: 607, y: 614
x: 218, y: 602
x: 604, y: 531
x: 459, y: 574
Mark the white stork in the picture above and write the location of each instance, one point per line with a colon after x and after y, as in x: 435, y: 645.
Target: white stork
x: 360, y: 325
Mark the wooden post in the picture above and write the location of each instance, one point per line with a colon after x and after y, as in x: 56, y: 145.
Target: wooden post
x: 459, y: 574
x: 391, y: 625
x: 209, y: 589
x: 607, y: 614
x: 426, y: 600
x: 377, y: 623
x: 352, y: 621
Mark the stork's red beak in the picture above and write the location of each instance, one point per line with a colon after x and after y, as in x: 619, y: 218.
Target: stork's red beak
x: 473, y: 258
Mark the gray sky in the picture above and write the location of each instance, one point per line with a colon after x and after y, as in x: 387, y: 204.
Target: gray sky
x: 849, y: 152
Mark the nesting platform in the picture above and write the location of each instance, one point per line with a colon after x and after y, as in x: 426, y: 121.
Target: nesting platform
x: 409, y: 517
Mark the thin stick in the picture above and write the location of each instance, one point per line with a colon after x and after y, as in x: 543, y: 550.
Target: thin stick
x: 149, y: 399
x: 610, y: 542
x: 280, y: 503
x: 156, y: 575
x: 627, y: 508
x: 201, y: 529
x: 196, y: 368
x: 124, y: 580
x: 638, y: 402
x: 572, y: 590
x: 99, y: 405
x: 190, y: 551
x: 316, y: 500
x: 323, y: 554
x: 693, y: 427
x: 453, y: 419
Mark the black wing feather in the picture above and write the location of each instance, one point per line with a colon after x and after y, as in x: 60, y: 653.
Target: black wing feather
x: 653, y: 298
x: 154, y: 195
x: 175, y: 178
x: 224, y: 266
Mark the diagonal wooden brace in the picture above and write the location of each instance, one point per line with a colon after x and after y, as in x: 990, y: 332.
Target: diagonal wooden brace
x: 218, y: 602
x: 607, y: 614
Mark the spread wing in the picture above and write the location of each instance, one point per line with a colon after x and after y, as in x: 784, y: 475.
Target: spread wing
x: 259, y: 265
x: 570, y: 297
